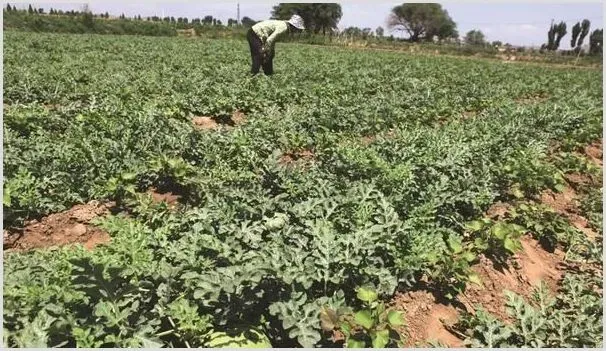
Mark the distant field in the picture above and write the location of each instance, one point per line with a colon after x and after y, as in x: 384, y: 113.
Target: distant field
x: 208, y: 202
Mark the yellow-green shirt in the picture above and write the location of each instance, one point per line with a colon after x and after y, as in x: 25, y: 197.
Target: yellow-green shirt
x: 269, y: 31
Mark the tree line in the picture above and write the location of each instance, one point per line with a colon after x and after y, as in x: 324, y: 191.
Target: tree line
x: 425, y: 22
x: 579, y: 32
x: 207, y: 20
x: 420, y: 21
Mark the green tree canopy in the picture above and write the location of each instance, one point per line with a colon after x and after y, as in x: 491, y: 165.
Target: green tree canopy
x: 555, y: 34
x: 353, y: 31
x: 422, y: 21
x: 584, y: 31
x: 318, y: 17
x: 475, y: 37
x: 579, y: 32
x: 596, y: 42
x: 379, y: 31
x: 248, y: 22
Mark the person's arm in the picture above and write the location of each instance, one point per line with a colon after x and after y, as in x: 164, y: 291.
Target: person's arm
x: 271, y: 40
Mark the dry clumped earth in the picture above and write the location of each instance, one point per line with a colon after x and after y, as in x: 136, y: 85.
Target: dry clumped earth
x: 170, y: 198
x: 292, y: 158
x: 59, y: 229
x: 73, y: 226
x: 211, y: 123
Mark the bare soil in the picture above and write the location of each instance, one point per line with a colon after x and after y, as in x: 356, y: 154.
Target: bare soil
x: 532, y: 99
x: 579, y: 179
x: 170, y: 198
x: 469, y: 114
x: 292, y: 158
x: 369, y: 139
x: 238, y: 117
x: 72, y: 226
x: 498, y: 210
x: 59, y: 229
x: 206, y: 122
x: 594, y: 152
x: 567, y: 204
x: 425, y: 318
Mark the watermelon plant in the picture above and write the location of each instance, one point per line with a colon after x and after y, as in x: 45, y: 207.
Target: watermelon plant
x: 339, y: 175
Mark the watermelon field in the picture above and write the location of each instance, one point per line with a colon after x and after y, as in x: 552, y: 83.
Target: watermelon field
x: 156, y: 194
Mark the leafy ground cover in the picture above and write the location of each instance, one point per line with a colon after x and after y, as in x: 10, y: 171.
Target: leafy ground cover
x: 217, y: 208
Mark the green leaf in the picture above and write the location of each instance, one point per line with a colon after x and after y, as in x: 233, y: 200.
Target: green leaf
x: 559, y: 187
x: 149, y: 343
x: 500, y: 230
x: 511, y: 245
x: 346, y: 329
x: 469, y: 256
x: 380, y: 339
x: 480, y: 244
x: 128, y: 176
x: 517, y: 193
x: 355, y: 344
x: 455, y: 244
x: 6, y: 198
x: 199, y: 294
x: 475, y: 226
x: 364, y: 318
x: 395, y: 318
x: 474, y: 278
x: 519, y: 229
x: 367, y: 294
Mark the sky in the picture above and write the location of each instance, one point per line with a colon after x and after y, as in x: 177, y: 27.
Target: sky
x: 516, y: 22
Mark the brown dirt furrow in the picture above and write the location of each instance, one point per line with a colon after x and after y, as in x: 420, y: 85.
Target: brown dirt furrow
x: 292, y: 158
x: 59, y: 229
x: 594, y: 152
x: 425, y: 318
x: 428, y: 318
x: 210, y: 123
x: 170, y: 198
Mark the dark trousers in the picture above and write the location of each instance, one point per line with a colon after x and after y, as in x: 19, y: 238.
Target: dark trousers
x: 256, y: 55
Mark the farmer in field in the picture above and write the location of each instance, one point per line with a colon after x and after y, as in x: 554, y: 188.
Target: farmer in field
x: 262, y: 39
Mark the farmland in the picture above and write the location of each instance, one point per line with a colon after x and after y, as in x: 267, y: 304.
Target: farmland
x: 203, y: 206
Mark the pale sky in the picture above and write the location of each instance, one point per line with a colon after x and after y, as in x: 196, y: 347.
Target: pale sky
x: 516, y: 22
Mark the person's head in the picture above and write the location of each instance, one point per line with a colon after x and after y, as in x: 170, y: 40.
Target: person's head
x: 295, y: 23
